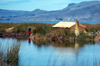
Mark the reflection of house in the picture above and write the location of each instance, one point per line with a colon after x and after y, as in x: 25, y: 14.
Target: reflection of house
x: 76, y: 47
x: 70, y: 25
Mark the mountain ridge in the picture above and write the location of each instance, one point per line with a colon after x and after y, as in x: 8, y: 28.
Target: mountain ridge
x: 83, y: 11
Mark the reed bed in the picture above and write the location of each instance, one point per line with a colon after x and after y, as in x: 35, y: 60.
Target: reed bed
x: 45, y: 29
x: 93, y: 27
x: 11, y: 55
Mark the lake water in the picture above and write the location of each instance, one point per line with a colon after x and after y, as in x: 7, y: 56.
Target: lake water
x: 52, y: 54
x: 47, y: 22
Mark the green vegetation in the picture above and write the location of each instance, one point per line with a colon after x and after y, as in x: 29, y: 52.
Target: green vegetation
x: 12, y: 55
x: 84, y: 36
x: 4, y: 26
x: 46, y: 29
x: 42, y: 29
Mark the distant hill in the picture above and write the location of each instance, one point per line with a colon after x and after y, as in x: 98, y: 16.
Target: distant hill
x: 84, y: 11
x: 6, y: 13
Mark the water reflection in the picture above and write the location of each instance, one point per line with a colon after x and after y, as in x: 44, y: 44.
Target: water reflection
x: 51, y: 53
x: 76, y: 47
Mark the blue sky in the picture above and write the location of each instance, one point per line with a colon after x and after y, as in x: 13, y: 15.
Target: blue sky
x: 30, y: 5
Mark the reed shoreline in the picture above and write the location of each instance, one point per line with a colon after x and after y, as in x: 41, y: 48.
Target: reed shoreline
x: 44, y: 32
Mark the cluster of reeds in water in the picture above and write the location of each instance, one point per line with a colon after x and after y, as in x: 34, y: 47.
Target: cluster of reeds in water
x: 9, y: 55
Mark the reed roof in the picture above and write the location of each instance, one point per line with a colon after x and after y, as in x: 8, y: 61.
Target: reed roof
x: 64, y: 24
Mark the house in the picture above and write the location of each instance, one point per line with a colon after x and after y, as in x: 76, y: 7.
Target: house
x: 70, y: 26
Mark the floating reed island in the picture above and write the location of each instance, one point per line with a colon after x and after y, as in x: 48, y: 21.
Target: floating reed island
x: 67, y: 31
x: 62, y: 31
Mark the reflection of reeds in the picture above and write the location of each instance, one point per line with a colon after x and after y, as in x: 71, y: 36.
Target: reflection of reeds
x: 55, y: 60
x: 76, y: 48
x: 65, y: 44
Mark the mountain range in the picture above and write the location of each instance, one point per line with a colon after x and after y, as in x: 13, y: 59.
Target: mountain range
x: 83, y: 11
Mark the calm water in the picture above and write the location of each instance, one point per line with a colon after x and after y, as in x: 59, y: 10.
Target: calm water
x: 47, y: 22
x: 53, y: 54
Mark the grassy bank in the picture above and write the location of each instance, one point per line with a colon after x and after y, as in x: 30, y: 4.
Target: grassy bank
x: 45, y: 30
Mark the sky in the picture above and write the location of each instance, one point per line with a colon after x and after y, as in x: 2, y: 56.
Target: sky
x: 30, y: 5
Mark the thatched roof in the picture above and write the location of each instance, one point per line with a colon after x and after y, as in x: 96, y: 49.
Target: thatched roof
x: 64, y: 24
x: 84, y: 27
